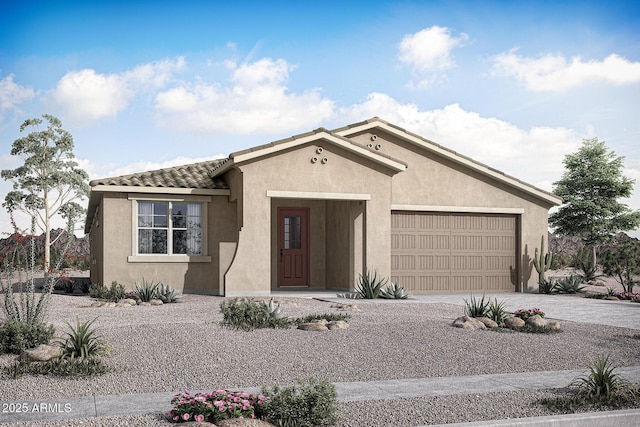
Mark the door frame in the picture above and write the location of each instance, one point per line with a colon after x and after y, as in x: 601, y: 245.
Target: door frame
x: 304, y: 213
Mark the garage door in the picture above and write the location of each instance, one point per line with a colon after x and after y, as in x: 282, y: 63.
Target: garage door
x: 447, y: 252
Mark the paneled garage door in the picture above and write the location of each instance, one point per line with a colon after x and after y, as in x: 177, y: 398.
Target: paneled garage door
x: 451, y: 252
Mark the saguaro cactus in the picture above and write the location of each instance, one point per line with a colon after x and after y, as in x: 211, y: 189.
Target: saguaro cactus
x: 542, y: 261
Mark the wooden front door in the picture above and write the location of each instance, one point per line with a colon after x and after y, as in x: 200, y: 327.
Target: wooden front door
x: 293, y: 247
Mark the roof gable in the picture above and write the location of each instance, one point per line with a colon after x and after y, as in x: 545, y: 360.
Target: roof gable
x: 318, y: 135
x: 377, y: 123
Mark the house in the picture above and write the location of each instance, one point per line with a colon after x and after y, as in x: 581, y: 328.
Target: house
x: 314, y: 211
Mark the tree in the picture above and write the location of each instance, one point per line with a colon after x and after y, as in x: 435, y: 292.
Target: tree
x: 623, y: 262
x: 590, y: 187
x: 49, y: 182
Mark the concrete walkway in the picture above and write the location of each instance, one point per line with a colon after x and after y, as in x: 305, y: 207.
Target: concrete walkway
x: 558, y: 307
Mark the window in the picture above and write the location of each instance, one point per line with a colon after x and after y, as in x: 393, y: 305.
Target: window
x: 169, y: 228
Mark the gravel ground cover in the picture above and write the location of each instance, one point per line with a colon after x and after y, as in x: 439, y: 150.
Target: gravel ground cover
x: 182, y: 346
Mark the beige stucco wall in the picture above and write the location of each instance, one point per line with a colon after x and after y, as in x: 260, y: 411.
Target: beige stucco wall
x: 200, y: 277
x: 345, y: 173
x: 431, y: 180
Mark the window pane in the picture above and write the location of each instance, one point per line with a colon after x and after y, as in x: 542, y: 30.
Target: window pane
x: 194, y: 241
x: 144, y: 242
x: 160, y: 208
x: 179, y: 214
x: 159, y: 241
x: 180, y: 242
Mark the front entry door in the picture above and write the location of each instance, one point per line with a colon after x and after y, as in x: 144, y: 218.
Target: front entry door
x: 293, y: 247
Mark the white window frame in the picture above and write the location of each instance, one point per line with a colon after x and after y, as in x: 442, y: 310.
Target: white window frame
x: 169, y: 257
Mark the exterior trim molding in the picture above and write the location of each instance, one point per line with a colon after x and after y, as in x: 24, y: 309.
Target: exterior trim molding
x: 456, y: 209
x: 316, y: 195
x: 168, y: 258
x: 160, y: 190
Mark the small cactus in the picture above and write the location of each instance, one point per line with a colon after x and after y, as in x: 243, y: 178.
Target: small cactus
x: 542, y: 261
x: 273, y: 309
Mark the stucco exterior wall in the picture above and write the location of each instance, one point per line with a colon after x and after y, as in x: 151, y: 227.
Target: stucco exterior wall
x: 199, y: 277
x: 431, y: 180
x: 293, y: 171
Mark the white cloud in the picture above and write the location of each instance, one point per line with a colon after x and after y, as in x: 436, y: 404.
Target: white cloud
x: 13, y: 94
x: 428, y: 54
x: 86, y: 95
x: 534, y: 155
x: 256, y: 100
x: 556, y: 73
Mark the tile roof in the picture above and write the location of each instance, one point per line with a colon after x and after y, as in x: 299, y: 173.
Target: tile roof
x: 195, y: 175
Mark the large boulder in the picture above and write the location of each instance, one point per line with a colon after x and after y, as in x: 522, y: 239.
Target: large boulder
x: 337, y: 324
x: 536, y: 321
x: 513, y: 322
x: 466, y: 322
x: 313, y: 326
x: 489, y: 323
x: 41, y: 353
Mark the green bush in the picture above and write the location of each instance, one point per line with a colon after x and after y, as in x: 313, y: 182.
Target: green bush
x: 476, y: 308
x: 61, y: 367
x: 114, y: 293
x: 602, y: 382
x: 546, y: 286
x: 369, y: 285
x: 570, y: 285
x: 496, y: 311
x: 247, y: 314
x: 82, y: 342
x: 311, y: 404
x: 17, y: 336
x: 394, y: 291
x: 167, y: 294
x: 329, y: 317
x: 147, y: 291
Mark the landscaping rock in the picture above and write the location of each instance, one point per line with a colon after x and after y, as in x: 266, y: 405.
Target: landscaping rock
x: 313, y: 326
x: 41, y: 353
x: 553, y: 325
x: 143, y: 303
x: 487, y: 322
x: 514, y: 322
x: 243, y: 422
x: 536, y: 321
x: 156, y: 302
x: 337, y: 324
x: 109, y: 304
x: 466, y: 322
x: 129, y: 301
x: 612, y: 298
x: 345, y: 307
x: 198, y: 424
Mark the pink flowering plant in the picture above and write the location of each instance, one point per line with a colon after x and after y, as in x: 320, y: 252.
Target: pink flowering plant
x: 525, y: 313
x: 629, y: 296
x: 216, y: 406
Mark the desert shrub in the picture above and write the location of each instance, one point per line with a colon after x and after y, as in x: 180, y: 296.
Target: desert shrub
x: 602, y: 383
x: 311, y: 404
x: 17, y: 336
x: 247, y: 314
x: 570, y: 285
x: 114, y: 293
x: 623, y: 263
x: 147, y: 290
x: 496, y: 311
x: 329, y: 317
x: 167, y: 294
x: 369, y: 285
x: 476, y: 308
x: 82, y: 342
x: 216, y: 406
x: 584, y: 262
x: 546, y: 286
x: 60, y: 367
x: 394, y: 291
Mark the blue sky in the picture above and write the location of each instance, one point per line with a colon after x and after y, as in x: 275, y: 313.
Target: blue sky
x: 141, y: 85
